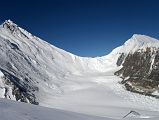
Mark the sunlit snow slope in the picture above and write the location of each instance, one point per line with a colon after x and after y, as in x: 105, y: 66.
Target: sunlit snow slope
x: 52, y: 77
x: 11, y: 110
x: 40, y: 66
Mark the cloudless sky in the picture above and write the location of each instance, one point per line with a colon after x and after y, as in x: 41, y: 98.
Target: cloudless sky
x: 84, y: 27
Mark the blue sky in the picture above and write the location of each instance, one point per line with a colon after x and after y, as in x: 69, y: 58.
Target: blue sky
x: 84, y: 27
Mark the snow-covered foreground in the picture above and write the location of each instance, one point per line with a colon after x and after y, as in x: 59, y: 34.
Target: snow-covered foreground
x: 90, y: 98
x: 10, y: 110
x: 100, y: 94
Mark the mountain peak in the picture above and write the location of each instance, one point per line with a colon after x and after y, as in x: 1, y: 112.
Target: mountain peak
x: 10, y: 22
x: 10, y: 25
x: 135, y: 43
x: 136, y: 35
x: 15, y: 30
x: 143, y: 38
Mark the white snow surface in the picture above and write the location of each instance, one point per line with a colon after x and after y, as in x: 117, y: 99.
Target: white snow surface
x: 139, y: 42
x: 71, y: 83
x: 10, y: 110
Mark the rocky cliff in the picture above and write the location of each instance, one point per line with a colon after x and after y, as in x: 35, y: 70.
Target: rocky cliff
x: 140, y: 67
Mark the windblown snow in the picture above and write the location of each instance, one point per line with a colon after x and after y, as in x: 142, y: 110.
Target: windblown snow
x: 69, y: 82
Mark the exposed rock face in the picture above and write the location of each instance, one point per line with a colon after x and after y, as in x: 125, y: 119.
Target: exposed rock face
x: 120, y: 59
x: 21, y: 84
x: 14, y: 89
x: 140, y: 71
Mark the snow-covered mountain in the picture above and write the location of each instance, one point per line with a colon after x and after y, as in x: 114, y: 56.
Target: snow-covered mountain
x: 30, y: 65
x: 34, y: 71
x: 139, y: 59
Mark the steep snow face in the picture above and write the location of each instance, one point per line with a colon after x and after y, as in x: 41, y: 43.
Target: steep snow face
x: 48, y: 58
x: 135, y: 43
x: 139, y: 42
x: 46, y: 53
x: 34, y: 66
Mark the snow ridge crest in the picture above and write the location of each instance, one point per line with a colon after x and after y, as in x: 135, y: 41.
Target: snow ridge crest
x: 9, y: 25
x: 137, y: 42
x: 15, y: 30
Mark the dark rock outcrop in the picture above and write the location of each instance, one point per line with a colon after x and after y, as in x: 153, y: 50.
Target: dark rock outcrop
x: 21, y: 91
x: 140, y: 71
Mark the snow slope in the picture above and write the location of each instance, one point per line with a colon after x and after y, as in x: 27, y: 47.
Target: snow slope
x: 40, y: 65
x: 100, y: 95
x: 19, y: 111
x: 137, y: 42
x: 61, y: 80
x: 11, y: 110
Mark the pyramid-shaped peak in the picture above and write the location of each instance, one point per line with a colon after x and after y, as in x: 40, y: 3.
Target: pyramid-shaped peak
x: 141, y: 39
x: 10, y: 27
x: 138, y: 35
x: 138, y: 41
x: 9, y: 23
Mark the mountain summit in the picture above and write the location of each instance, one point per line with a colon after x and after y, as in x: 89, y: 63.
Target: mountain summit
x: 140, y: 42
x: 139, y: 59
x: 11, y: 28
